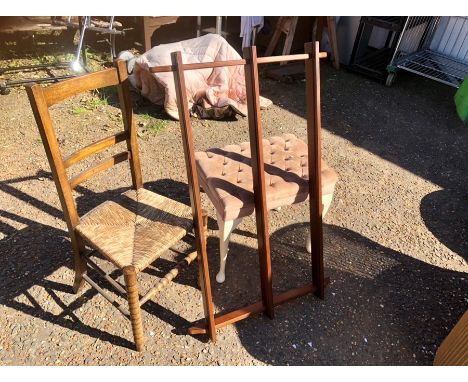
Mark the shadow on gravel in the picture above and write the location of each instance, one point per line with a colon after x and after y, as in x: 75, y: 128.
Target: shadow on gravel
x: 412, y: 124
x: 32, y: 254
x: 445, y: 213
x: 382, y: 307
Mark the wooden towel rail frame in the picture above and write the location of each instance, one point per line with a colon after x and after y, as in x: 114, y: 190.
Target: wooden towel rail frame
x: 250, y: 62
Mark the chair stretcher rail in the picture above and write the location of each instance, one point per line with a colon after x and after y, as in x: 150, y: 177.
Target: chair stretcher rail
x: 225, y: 319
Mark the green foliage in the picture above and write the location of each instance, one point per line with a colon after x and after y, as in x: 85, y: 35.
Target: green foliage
x: 79, y: 110
x: 151, y: 124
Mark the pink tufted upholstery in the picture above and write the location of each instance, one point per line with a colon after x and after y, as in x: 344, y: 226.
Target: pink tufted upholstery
x: 226, y: 175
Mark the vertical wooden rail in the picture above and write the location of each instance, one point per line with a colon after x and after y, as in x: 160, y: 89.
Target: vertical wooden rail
x: 258, y: 172
x: 59, y: 173
x: 194, y: 188
x: 314, y: 125
x: 129, y: 123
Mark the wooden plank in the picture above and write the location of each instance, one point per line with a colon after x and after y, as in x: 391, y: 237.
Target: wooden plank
x: 101, y: 166
x: 194, y: 189
x: 94, y: 148
x: 258, y: 172
x: 454, y: 348
x: 312, y: 68
x: 68, y: 88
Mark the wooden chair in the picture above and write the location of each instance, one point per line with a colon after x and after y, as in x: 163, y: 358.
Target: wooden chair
x: 131, y: 231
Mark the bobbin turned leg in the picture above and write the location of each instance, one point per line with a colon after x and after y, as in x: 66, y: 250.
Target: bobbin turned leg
x: 134, y: 306
x: 225, y: 230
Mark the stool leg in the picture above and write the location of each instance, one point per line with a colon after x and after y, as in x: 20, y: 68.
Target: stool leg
x: 225, y: 230
x: 326, y: 200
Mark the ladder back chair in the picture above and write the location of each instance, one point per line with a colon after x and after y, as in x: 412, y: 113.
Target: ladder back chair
x: 134, y: 229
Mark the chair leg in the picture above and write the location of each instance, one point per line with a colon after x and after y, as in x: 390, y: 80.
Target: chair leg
x: 134, y: 306
x: 225, y: 230
x: 205, y: 230
x: 326, y: 200
x: 79, y: 265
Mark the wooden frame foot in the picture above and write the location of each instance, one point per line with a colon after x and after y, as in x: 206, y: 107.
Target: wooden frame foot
x: 224, y: 319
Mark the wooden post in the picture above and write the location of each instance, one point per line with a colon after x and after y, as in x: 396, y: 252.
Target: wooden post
x: 258, y: 172
x: 129, y: 123
x: 314, y: 125
x: 194, y: 188
x: 131, y: 284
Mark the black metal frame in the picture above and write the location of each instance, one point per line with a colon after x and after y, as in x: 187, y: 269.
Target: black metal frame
x: 370, y: 61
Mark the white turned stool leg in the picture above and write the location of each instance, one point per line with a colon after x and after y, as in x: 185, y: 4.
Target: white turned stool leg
x: 225, y: 230
x: 326, y: 200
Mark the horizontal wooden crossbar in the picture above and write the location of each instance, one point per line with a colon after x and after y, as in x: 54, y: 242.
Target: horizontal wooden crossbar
x: 63, y: 90
x: 104, y: 165
x: 117, y: 286
x: 290, y: 57
x: 106, y: 295
x: 215, y: 64
x: 224, y: 319
x: 167, y: 279
x: 95, y: 148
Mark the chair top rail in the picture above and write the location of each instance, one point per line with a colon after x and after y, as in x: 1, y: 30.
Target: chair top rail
x: 60, y: 91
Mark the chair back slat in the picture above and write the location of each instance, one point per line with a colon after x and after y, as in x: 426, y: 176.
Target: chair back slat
x: 94, y: 148
x: 42, y: 98
x: 101, y: 166
x: 60, y: 91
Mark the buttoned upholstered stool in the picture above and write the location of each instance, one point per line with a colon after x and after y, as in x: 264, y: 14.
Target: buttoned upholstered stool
x: 225, y: 174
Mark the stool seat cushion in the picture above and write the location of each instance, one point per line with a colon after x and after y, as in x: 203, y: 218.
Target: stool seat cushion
x: 226, y: 175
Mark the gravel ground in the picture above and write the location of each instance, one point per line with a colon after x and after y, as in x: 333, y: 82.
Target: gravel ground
x: 396, y: 240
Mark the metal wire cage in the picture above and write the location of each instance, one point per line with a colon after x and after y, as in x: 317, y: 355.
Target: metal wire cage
x: 434, y: 47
